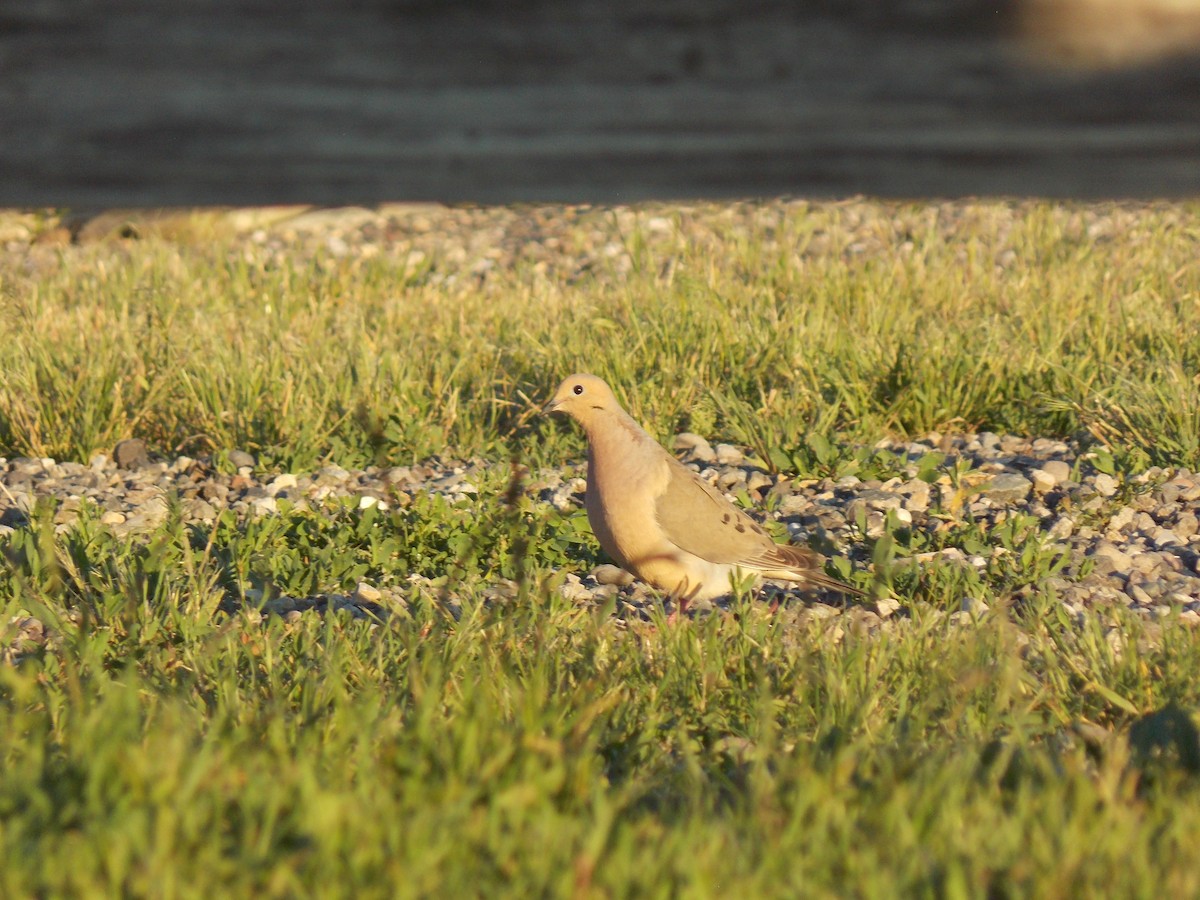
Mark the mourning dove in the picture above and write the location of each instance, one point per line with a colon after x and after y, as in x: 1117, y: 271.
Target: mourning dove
x: 659, y: 520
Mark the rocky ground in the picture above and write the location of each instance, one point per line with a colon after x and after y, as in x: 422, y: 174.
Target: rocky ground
x: 455, y: 245
x: 1134, y: 544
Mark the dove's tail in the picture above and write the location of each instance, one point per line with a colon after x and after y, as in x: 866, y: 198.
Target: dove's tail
x: 800, y: 564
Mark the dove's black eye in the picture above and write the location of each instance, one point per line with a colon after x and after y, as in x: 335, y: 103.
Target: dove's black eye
x: 578, y: 389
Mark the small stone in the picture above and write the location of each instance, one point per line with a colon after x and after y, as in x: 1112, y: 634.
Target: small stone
x: 605, y: 592
x: 264, y: 505
x: 197, y: 509
x: 366, y: 593
x: 1109, y: 558
x: 112, y: 517
x: 292, y: 616
x: 1121, y: 519
x: 240, y: 459
x: 610, y: 574
x: 1186, y: 525
x: 1148, y: 563
x: 1105, y: 485
x: 875, y: 499
x: 729, y: 455
x: 695, y: 446
x: 1164, y: 537
x: 574, y: 592
x: 973, y: 606
x: 757, y: 480
x: 282, y: 482
x: 917, y: 495
x: 793, y: 505
x: 1043, y: 481
x: 886, y: 607
x: 398, y: 475
x: 731, y: 480
x: 1007, y: 488
x: 130, y: 454
x: 1058, y: 470
x: 214, y: 491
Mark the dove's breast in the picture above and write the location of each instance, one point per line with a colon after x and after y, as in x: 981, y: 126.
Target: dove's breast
x: 627, y: 473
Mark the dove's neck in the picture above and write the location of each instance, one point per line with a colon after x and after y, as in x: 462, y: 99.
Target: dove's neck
x: 614, y: 425
x: 615, y: 438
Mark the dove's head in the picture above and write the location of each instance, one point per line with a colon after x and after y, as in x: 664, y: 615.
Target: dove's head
x: 583, y: 398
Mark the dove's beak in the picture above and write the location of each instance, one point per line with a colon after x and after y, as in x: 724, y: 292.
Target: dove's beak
x: 550, y: 407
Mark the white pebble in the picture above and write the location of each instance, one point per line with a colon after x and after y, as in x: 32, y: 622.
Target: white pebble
x: 886, y: 607
x: 1058, y: 470
x: 729, y: 455
x: 367, y: 593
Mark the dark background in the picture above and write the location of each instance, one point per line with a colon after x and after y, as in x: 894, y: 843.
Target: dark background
x: 125, y: 103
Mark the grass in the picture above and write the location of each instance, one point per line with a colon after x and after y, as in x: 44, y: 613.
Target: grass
x: 536, y: 748
x: 1013, y: 320
x: 167, y: 741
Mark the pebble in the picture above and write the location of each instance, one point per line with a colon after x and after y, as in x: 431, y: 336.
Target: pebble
x: 264, y: 505
x: 366, y: 593
x: 1007, y: 488
x: 916, y: 496
x: 729, y: 455
x: 758, y: 480
x: 574, y: 591
x: 610, y: 574
x: 694, y: 446
x: 1056, y: 469
x: 1042, y: 480
x: 1110, y: 558
x: 130, y: 454
x: 1121, y: 519
x: 240, y: 459
x: 1164, y: 537
x: 1105, y: 485
x: 886, y: 607
x: 283, y: 482
x: 1187, y: 524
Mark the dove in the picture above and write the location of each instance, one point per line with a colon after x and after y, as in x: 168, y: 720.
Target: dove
x: 661, y: 521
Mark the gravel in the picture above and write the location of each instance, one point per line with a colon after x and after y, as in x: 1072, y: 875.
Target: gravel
x: 1129, y: 542
x: 449, y: 246
x: 1133, y: 543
